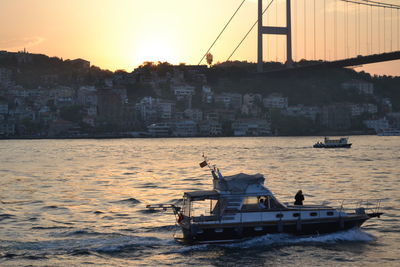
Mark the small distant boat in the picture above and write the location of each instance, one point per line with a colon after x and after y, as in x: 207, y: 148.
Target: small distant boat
x: 333, y: 143
x: 241, y: 206
x: 389, y: 132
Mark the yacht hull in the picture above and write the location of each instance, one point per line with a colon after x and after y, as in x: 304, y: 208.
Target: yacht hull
x: 231, y: 232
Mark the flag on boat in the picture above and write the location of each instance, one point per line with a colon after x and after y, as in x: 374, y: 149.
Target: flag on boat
x: 203, y: 164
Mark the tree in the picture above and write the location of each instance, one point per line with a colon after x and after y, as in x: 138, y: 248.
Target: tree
x: 209, y: 58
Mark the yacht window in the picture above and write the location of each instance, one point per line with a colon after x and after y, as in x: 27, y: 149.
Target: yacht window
x: 280, y: 215
x: 296, y: 214
x: 329, y: 213
x: 206, y: 207
x: 200, y: 208
x: 273, y: 203
x: 313, y: 214
x: 250, y: 203
x: 217, y: 207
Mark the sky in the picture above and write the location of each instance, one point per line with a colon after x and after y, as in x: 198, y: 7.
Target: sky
x: 122, y: 34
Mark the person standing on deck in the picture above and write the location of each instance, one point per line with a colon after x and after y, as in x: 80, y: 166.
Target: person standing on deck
x: 299, y: 197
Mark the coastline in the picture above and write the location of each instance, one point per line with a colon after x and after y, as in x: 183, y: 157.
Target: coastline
x: 128, y: 136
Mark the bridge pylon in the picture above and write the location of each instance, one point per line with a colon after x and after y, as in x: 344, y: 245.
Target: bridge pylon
x: 274, y: 30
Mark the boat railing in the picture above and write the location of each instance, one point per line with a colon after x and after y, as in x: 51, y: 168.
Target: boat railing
x: 344, y: 205
x: 359, y: 205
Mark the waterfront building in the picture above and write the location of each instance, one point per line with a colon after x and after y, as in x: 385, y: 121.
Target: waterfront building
x: 358, y: 109
x: 159, y: 130
x: 6, y: 128
x: 377, y: 124
x: 185, y: 128
x: 251, y: 127
x: 275, y: 101
x: 361, y: 87
x: 184, y: 93
x: 336, y: 116
x: 210, y: 128
x: 152, y: 109
x: 211, y: 115
x: 229, y: 100
x: 207, y: 95
x: 252, y: 104
x: 193, y: 114
x: 309, y: 112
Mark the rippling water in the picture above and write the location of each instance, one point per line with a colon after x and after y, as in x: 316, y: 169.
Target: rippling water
x: 81, y: 202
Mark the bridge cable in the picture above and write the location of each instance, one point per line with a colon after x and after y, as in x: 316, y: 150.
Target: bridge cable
x: 379, y: 31
x: 367, y: 26
x: 276, y: 36
x: 295, y: 30
x: 391, y: 30
x: 255, y: 23
x: 345, y: 30
x: 305, y: 29
x: 384, y: 29
x: 268, y: 53
x: 314, y: 33
x: 355, y: 31
x: 226, y: 25
x: 335, y: 32
x: 325, y: 30
x: 359, y: 29
x: 371, y: 29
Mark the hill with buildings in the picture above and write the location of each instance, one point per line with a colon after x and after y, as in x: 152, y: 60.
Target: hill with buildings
x: 44, y: 97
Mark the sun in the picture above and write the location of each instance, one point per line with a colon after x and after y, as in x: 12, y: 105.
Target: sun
x: 157, y: 49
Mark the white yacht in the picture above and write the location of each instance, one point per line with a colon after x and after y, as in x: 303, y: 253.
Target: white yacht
x: 232, y: 211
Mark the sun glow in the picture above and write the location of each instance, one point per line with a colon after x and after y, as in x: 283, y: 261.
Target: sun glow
x: 156, y: 49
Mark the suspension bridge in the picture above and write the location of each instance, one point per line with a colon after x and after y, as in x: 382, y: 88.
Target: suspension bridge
x: 327, y: 33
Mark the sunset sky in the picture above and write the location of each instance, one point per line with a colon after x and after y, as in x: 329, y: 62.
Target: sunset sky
x: 121, y: 34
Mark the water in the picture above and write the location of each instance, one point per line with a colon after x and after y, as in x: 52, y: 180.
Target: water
x: 82, y: 202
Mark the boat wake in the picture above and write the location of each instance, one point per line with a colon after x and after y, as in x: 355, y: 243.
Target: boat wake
x: 352, y: 235
x: 274, y: 240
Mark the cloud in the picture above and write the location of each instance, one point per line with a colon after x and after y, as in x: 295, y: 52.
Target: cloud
x: 20, y: 43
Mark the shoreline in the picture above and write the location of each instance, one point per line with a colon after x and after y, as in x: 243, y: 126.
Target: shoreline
x: 116, y: 136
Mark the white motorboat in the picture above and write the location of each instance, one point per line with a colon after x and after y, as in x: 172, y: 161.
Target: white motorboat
x: 232, y: 211
x: 333, y: 143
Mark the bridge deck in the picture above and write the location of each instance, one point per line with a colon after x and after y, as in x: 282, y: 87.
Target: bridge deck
x: 360, y: 60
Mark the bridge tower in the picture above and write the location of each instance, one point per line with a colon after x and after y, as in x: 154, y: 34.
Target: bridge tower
x: 273, y: 31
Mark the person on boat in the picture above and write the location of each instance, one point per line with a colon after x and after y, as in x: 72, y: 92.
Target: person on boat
x: 299, y: 197
x: 261, y: 204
